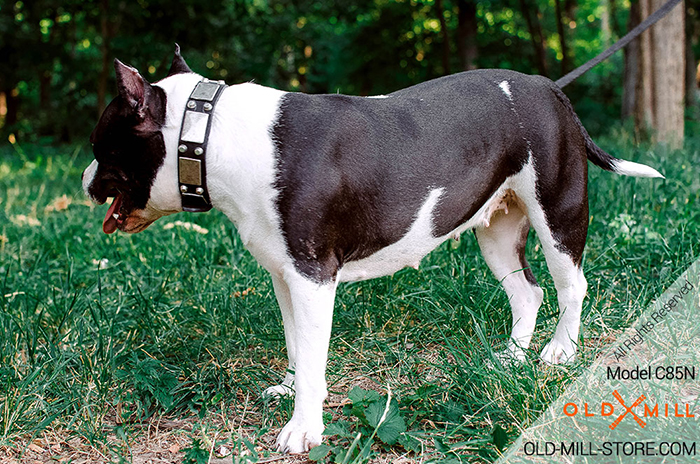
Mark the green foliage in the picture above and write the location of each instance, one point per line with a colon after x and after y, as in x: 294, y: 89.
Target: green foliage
x: 56, y: 66
x: 369, y: 415
x: 244, y: 452
x: 196, y: 453
x: 500, y: 437
x: 369, y: 407
x: 154, y: 384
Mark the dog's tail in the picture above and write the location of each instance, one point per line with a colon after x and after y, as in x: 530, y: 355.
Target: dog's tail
x: 598, y: 156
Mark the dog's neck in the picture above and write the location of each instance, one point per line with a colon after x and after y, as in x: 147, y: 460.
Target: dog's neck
x: 240, y: 155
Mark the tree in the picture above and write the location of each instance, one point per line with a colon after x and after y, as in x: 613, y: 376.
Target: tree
x: 440, y: 11
x: 660, y: 87
x: 56, y: 71
x: 631, y: 71
x: 532, y: 17
x: 692, y: 33
x: 466, y: 34
x: 561, y: 30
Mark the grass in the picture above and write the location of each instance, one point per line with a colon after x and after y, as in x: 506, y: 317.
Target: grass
x: 114, y: 347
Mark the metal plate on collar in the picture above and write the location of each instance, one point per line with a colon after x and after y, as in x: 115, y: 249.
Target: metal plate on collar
x: 194, y: 127
x: 205, y: 91
x: 190, y: 171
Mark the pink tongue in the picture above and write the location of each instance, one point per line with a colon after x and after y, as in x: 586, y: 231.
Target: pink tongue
x: 110, y: 224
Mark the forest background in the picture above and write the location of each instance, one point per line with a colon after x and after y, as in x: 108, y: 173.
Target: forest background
x: 56, y: 57
x: 155, y: 347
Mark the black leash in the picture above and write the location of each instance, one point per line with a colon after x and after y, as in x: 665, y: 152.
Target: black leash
x: 629, y: 37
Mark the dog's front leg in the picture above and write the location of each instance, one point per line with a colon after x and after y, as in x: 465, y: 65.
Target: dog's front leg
x: 312, y: 305
x: 284, y: 300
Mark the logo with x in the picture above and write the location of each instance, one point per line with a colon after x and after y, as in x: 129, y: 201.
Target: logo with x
x: 628, y: 410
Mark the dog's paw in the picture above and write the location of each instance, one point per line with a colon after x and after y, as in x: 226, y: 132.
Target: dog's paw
x: 559, y: 353
x: 300, y: 436
x: 278, y: 391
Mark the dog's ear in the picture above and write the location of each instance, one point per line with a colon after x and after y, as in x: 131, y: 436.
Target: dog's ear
x: 178, y: 66
x: 140, y: 96
x: 132, y: 87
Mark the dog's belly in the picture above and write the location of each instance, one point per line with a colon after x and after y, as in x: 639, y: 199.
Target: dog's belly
x: 408, y: 251
x: 419, y: 240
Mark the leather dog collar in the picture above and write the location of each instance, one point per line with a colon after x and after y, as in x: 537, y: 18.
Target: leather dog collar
x: 192, y: 146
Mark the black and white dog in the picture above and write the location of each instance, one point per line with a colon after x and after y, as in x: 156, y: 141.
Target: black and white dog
x: 332, y: 188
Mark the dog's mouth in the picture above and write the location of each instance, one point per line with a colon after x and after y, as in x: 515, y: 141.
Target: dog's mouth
x: 120, y: 216
x: 114, y: 218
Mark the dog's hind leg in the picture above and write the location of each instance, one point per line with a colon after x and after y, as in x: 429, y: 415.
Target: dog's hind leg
x: 557, y: 207
x: 502, y: 244
x: 284, y: 300
x: 571, y: 288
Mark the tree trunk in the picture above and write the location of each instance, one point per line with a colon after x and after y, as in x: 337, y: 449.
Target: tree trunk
x: 631, y: 72
x: 562, y: 38
x: 536, y: 18
x: 662, y: 75
x: 691, y: 63
x: 535, y: 29
x: 466, y: 35
x: 691, y: 85
x: 617, y: 29
x: 104, y: 50
x: 643, y: 108
x: 445, y: 37
x: 44, y: 89
x: 12, y: 103
x: 605, y: 26
x: 570, y: 9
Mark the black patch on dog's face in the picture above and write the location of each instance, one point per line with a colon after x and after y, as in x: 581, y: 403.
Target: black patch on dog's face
x: 127, y: 142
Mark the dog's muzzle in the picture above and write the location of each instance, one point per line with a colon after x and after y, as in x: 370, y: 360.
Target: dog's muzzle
x: 88, y: 178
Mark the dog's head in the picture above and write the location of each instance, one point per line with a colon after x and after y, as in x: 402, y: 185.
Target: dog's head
x: 129, y: 153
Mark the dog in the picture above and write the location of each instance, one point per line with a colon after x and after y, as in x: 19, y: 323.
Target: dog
x: 333, y: 188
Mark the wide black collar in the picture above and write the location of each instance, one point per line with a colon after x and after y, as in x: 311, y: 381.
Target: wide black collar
x: 192, y: 146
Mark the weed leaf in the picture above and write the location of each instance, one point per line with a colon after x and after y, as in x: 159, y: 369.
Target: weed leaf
x: 320, y: 452
x: 441, y: 446
x: 410, y: 443
x: 500, y: 437
x: 340, y: 428
x: 393, y: 426
x: 196, y: 454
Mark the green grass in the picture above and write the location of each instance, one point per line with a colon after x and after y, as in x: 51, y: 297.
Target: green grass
x: 102, y: 335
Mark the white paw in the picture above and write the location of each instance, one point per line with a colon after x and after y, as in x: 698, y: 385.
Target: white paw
x: 278, y: 391
x: 300, y: 436
x: 559, y: 353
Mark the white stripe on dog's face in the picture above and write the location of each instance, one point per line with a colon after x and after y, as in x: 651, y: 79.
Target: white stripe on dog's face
x: 88, y: 177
